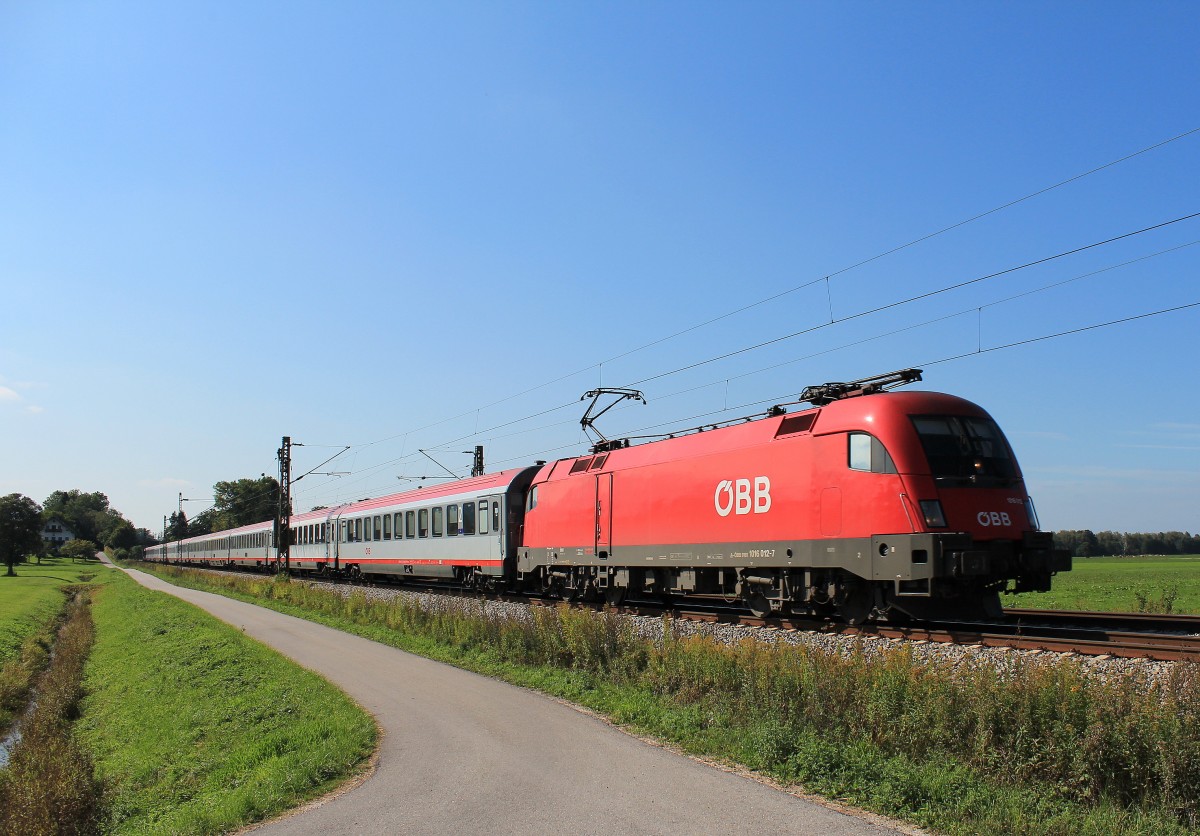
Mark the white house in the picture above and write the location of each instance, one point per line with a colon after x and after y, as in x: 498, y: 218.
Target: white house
x: 55, y: 532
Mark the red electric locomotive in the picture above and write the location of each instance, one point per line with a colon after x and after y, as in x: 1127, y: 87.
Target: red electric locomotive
x: 871, y: 503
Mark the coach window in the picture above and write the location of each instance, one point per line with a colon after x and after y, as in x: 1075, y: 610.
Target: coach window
x: 451, y: 520
x: 496, y: 515
x: 387, y: 526
x: 410, y: 524
x: 423, y: 522
x: 398, y: 524
x: 867, y: 453
x: 358, y: 530
x: 324, y: 531
x: 342, y: 531
x: 437, y: 521
x: 468, y: 521
x: 378, y: 529
x: 483, y: 516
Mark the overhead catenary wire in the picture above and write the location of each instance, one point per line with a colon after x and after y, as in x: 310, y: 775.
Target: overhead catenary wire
x: 911, y: 299
x: 824, y: 278
x: 911, y: 243
x: 773, y: 297
x: 781, y: 398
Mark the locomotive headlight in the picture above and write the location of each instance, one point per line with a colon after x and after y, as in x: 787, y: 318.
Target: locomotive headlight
x: 932, y: 509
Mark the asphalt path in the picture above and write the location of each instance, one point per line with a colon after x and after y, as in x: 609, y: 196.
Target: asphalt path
x: 461, y: 753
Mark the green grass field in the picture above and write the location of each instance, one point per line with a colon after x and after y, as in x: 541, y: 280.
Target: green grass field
x: 1121, y: 584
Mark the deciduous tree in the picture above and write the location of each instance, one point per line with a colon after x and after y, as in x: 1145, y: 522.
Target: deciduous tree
x: 244, y: 501
x: 79, y: 550
x: 20, y: 529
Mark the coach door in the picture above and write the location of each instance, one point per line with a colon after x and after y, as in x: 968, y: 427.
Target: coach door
x: 603, y: 515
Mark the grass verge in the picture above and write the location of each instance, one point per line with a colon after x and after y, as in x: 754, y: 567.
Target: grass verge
x: 196, y: 729
x: 1042, y: 749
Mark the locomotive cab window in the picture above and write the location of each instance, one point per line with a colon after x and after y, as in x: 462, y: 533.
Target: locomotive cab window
x: 867, y: 453
x: 533, y: 492
x: 964, y: 450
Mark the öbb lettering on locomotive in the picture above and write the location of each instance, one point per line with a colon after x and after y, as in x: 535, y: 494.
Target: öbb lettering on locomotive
x: 737, y: 496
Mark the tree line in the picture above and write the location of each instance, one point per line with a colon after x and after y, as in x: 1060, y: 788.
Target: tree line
x: 92, y: 521
x: 1085, y: 543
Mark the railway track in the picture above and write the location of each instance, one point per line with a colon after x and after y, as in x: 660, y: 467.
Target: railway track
x: 1126, y: 635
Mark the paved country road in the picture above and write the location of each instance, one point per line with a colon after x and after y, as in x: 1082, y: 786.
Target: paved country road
x: 464, y: 754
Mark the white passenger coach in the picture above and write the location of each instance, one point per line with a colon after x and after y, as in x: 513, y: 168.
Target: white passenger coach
x: 460, y: 531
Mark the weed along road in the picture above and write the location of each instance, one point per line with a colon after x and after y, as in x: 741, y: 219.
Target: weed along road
x: 462, y: 753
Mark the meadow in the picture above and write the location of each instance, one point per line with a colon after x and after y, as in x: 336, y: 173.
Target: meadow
x: 1122, y: 584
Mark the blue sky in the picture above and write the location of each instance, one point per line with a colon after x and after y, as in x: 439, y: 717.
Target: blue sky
x: 405, y: 226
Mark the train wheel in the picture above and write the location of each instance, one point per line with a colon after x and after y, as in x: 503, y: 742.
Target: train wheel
x: 858, y: 604
x: 759, y: 604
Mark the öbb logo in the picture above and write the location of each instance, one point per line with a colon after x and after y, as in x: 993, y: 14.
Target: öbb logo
x: 987, y: 518
x: 736, y: 495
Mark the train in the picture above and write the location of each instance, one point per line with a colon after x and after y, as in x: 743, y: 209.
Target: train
x: 863, y: 504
